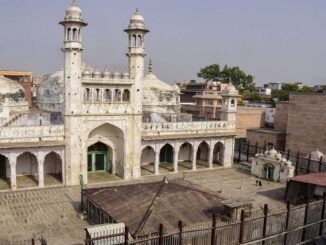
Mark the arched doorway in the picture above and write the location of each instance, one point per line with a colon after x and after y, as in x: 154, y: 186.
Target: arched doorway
x: 147, y: 160
x: 27, y: 170
x: 166, y: 157
x: 202, y: 154
x: 105, y: 153
x: 218, y: 153
x: 52, y: 169
x: 185, y: 156
x: 4, y: 172
x: 99, y: 158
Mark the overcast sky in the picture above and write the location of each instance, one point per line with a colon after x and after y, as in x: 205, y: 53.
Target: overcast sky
x: 274, y: 40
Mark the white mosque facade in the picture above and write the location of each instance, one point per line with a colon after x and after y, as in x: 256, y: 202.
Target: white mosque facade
x: 86, y: 121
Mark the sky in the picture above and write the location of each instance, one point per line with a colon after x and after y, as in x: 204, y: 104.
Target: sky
x: 273, y: 40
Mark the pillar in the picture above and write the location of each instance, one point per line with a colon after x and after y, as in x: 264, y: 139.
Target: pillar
x: 194, y: 155
x: 175, y: 158
x: 13, y: 177
x: 157, y: 162
x: 210, y: 156
x: 40, y: 169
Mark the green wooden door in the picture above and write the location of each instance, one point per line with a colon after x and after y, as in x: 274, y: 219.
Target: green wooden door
x: 97, y: 161
x: 3, y: 170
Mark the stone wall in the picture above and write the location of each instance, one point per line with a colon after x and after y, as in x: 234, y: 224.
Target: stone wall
x: 281, y: 116
x: 266, y: 137
x: 248, y: 118
x: 306, y: 123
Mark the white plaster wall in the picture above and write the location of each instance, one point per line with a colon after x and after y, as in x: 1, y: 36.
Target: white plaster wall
x: 148, y: 156
x: 52, y: 164
x: 185, y: 152
x: 26, y: 165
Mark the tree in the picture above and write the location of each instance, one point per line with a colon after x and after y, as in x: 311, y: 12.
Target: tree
x: 239, y: 78
x: 283, y: 93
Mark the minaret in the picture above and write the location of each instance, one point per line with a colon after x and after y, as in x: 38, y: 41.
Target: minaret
x: 230, y: 96
x: 73, y: 24
x: 74, y: 165
x: 136, y: 54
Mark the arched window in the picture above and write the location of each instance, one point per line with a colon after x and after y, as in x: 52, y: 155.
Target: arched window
x: 88, y: 94
x: 140, y: 41
x: 98, y: 94
x: 108, y: 95
x: 74, y: 34
x: 126, y: 95
x: 232, y: 103
x: 134, y: 40
x: 117, y: 95
x: 68, y: 34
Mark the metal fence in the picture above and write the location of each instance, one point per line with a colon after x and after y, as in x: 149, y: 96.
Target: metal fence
x: 286, y: 226
x: 244, y: 152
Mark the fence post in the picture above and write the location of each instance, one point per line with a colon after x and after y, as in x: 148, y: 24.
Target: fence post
x: 126, y: 235
x: 239, y: 152
x: 180, y: 232
x: 320, y: 163
x: 321, y: 228
x: 248, y: 148
x: 256, y: 148
x: 288, y: 156
x: 305, y: 219
x: 213, y: 238
x: 242, y: 219
x: 287, y: 222
x: 160, y: 242
x: 297, y: 164
x: 265, y: 221
x: 309, y: 160
x: 33, y: 241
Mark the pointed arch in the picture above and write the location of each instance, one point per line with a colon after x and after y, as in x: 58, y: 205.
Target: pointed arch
x: 185, y: 152
x: 27, y: 165
x: 203, y: 152
x: 166, y: 154
x: 218, y: 153
x: 53, y: 166
x: 148, y: 155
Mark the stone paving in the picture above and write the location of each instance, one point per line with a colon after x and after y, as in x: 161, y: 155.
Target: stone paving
x: 53, y: 212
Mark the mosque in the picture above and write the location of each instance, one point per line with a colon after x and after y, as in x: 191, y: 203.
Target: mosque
x: 85, y: 121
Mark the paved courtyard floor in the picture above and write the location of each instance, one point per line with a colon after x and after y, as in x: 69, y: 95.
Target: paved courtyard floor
x: 53, y: 212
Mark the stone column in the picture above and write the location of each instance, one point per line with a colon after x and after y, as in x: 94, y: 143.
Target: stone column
x: 40, y: 169
x: 194, y: 160
x: 157, y: 162
x: 210, y: 156
x: 175, y: 158
x: 13, y: 177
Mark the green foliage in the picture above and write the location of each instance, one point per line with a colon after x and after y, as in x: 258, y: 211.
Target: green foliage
x: 283, y: 94
x: 239, y: 78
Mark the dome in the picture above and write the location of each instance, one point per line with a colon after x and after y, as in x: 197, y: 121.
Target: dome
x: 73, y: 9
x: 137, y: 17
x: 176, y: 88
x: 230, y: 89
x: 116, y: 75
x: 87, y: 73
x: 106, y: 73
x: 152, y: 82
x: 11, y: 90
x: 50, y: 92
x: 316, y: 155
x: 96, y: 73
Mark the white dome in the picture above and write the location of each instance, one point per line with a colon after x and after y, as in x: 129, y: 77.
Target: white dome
x: 11, y: 89
x: 137, y: 17
x: 96, y: 73
x: 316, y: 155
x: 106, y: 73
x: 151, y: 81
x: 230, y: 89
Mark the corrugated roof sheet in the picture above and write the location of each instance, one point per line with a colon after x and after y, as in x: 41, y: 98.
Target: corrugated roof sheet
x: 314, y: 179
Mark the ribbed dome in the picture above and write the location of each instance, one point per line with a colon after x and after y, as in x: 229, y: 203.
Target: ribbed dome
x: 137, y: 17
x: 11, y: 89
x: 96, y: 73
x: 106, y: 73
x: 87, y: 73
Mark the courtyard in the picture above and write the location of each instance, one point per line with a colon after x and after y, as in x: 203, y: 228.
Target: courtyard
x: 53, y: 212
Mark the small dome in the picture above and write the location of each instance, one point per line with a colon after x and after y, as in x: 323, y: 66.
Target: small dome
x: 73, y: 9
x: 125, y: 75
x: 230, y: 89
x: 10, y: 87
x: 87, y: 72
x: 316, y: 155
x: 106, y: 73
x: 137, y: 17
x: 96, y: 73
x: 116, y: 75
x: 288, y: 163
